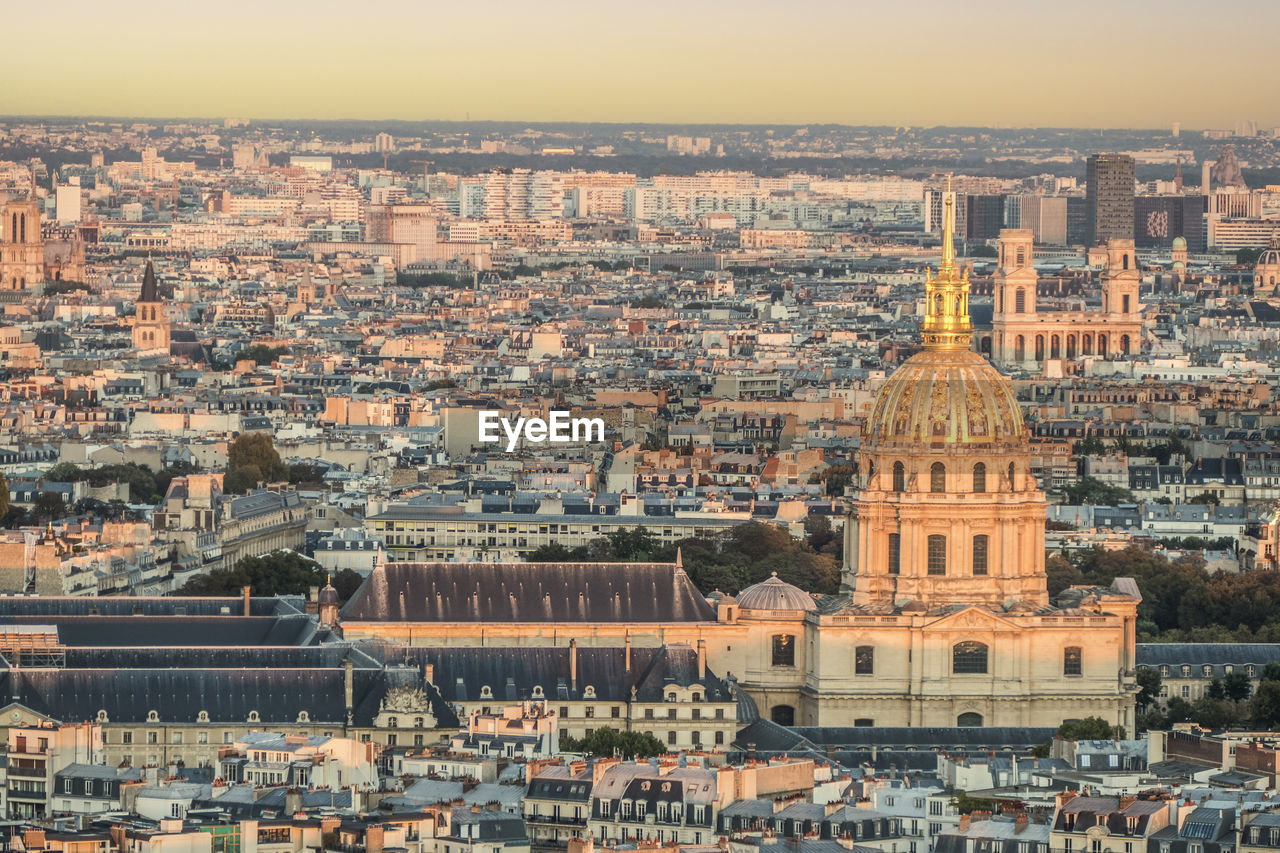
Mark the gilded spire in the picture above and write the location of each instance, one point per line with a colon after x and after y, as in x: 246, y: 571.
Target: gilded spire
x: 946, y: 318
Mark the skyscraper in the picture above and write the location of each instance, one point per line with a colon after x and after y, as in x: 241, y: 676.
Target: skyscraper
x: 1109, y: 198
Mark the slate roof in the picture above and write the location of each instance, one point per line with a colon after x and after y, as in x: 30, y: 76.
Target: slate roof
x: 81, y: 605
x: 528, y: 592
x: 1200, y: 654
x: 179, y: 695
x: 512, y: 673
x: 153, y: 631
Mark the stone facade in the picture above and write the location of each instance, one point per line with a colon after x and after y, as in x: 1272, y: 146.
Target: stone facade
x: 1025, y: 337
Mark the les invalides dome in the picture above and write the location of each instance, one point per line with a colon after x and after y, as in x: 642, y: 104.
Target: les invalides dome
x: 948, y: 511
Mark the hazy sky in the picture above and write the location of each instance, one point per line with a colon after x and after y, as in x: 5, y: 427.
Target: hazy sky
x: 1088, y: 63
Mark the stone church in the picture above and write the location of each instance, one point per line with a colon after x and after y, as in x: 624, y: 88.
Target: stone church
x: 944, y: 618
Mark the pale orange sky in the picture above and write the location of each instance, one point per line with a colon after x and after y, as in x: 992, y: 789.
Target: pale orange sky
x: 1086, y: 63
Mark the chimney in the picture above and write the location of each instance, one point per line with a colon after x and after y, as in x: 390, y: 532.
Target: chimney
x: 245, y: 592
x: 702, y: 659
x: 430, y: 673
x: 964, y: 823
x: 573, y: 665
x: 627, y: 657
x: 348, y: 677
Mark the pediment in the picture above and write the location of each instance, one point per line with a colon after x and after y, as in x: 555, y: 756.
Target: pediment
x: 972, y: 619
x: 16, y: 714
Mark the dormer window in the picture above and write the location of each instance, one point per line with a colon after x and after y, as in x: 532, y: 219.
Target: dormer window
x: 153, y: 717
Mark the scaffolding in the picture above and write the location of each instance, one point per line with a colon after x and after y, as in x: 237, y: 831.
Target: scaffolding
x: 32, y: 646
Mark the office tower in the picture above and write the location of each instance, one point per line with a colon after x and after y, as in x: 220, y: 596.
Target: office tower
x: 985, y: 217
x: 1109, y: 198
x: 1044, y: 216
x: 1160, y: 219
x: 1177, y: 129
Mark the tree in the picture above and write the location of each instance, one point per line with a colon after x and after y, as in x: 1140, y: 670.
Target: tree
x: 608, y: 742
x: 263, y: 354
x: 49, y: 506
x: 1149, y: 683
x: 277, y: 573
x: 1266, y: 704
x: 818, y: 532
x: 1090, y: 445
x: 1090, y: 728
x: 1089, y: 490
x: 1205, y: 498
x: 966, y: 804
x: 252, y: 457
x: 1061, y: 574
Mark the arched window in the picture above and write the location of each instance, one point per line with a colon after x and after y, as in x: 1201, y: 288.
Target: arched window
x: 980, y: 477
x: 895, y: 553
x: 937, y: 554
x: 1019, y: 301
x: 980, y: 543
x: 1126, y: 262
x: 1071, y: 661
x: 938, y: 478
x: 783, y: 715
x: 969, y: 657
x: 969, y: 720
x: 1012, y: 487
x: 864, y: 660
x: 784, y: 650
x: 899, y: 477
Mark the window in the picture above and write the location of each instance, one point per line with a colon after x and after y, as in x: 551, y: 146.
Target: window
x: 937, y: 554
x: 899, y: 477
x: 864, y: 660
x: 968, y: 720
x: 126, y: 737
x: 861, y: 722
x: 1071, y: 661
x: 719, y: 741
x: 969, y: 657
x: 937, y: 478
x: 1011, y: 486
x: 980, y: 477
x: 671, y: 738
x: 895, y: 553
x: 1019, y: 301
x: 783, y: 715
x: 784, y: 650
x: 980, y: 554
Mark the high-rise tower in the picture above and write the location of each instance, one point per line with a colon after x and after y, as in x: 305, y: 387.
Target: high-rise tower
x: 1109, y: 191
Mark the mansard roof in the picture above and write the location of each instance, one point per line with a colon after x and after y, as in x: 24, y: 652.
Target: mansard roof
x: 512, y: 673
x: 528, y: 592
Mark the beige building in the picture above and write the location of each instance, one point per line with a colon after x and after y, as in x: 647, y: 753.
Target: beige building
x: 1025, y: 337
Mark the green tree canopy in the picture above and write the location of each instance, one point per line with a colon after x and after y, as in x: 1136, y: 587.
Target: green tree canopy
x: 607, y: 742
x: 1090, y: 728
x: 277, y: 573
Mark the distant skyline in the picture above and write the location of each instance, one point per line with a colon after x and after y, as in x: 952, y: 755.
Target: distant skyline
x: 911, y: 62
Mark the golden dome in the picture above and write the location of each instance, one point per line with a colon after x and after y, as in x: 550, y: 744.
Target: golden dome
x: 949, y: 397
x: 947, y: 394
